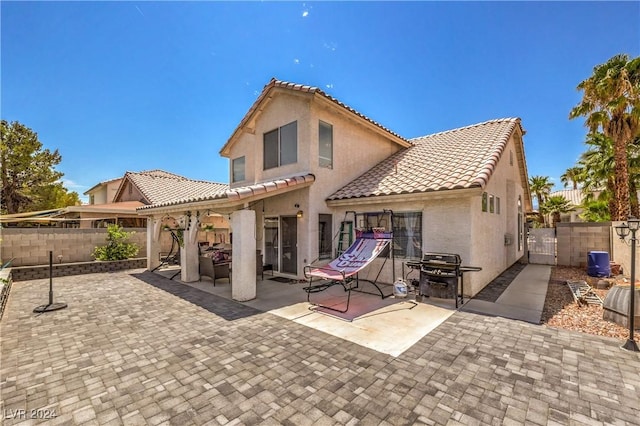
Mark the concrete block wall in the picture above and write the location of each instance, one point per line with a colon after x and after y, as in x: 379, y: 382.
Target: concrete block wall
x: 26, y: 273
x: 31, y: 246
x: 5, y: 287
x: 576, y: 240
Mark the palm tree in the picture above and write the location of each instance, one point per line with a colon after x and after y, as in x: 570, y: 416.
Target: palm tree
x: 554, y: 206
x: 540, y: 188
x: 611, y: 104
x: 571, y: 175
x: 598, y: 168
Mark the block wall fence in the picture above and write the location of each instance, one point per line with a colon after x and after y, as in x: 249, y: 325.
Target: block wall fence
x: 576, y: 240
x: 31, y: 246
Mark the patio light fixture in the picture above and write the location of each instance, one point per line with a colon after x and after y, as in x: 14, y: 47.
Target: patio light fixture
x: 299, y: 214
x: 632, y: 225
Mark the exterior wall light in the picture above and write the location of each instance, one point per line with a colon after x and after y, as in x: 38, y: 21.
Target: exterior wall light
x: 299, y: 214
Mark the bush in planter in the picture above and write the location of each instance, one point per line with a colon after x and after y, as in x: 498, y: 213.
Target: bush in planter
x: 117, y: 247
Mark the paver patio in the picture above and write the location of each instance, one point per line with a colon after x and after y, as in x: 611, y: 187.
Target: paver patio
x: 136, y: 348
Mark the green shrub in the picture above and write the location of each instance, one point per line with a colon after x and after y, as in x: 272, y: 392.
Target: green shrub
x: 117, y: 247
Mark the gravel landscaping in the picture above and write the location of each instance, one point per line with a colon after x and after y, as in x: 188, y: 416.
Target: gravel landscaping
x: 562, y: 311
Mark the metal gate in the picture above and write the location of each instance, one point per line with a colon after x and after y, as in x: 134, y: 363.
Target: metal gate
x: 542, y: 246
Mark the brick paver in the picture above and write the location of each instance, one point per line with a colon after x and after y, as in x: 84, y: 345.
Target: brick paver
x: 135, y: 348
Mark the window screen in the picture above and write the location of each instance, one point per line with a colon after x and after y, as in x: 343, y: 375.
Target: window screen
x: 238, y: 169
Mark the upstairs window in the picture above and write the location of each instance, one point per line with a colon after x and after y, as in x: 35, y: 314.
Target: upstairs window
x: 237, y: 167
x: 281, y: 146
x: 325, y: 148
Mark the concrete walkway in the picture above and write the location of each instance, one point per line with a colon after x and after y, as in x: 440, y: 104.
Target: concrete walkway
x: 134, y: 348
x: 522, y: 300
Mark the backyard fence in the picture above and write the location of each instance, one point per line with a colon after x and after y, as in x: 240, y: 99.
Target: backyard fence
x: 31, y: 246
x: 577, y: 239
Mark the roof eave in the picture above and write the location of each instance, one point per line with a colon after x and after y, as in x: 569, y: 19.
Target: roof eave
x: 225, y: 202
x: 406, y: 197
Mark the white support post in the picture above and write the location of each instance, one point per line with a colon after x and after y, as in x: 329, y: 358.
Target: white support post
x: 154, y: 224
x: 189, y: 266
x: 243, y: 269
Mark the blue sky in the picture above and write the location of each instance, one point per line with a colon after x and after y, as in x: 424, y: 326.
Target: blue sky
x: 132, y: 86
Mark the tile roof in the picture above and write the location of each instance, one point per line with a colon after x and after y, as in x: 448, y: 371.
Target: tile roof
x: 456, y: 159
x: 274, y: 83
x: 160, y: 187
x: 200, y: 193
x: 97, y: 185
x: 574, y: 196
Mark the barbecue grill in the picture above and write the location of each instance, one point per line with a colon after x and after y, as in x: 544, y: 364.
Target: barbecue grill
x: 441, y: 275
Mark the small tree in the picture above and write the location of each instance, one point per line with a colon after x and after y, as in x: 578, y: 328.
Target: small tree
x: 27, y: 176
x: 117, y: 247
x: 595, y: 211
x: 554, y: 206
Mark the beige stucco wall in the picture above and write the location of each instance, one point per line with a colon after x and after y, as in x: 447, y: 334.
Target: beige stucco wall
x: 281, y: 110
x: 495, y: 236
x: 355, y: 150
x: 105, y: 193
x: 130, y: 193
x: 621, y: 251
x: 100, y: 196
x: 221, y: 231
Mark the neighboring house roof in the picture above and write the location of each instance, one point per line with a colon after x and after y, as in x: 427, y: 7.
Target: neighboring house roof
x: 98, y: 185
x: 274, y: 84
x: 574, y: 196
x: 455, y: 159
x: 160, y: 187
x: 236, y: 194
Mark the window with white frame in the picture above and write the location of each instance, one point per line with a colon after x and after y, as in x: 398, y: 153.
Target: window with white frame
x: 238, y: 167
x: 325, y: 145
x: 280, y: 146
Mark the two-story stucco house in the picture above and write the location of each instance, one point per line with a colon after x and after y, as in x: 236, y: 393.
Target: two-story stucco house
x: 301, y: 162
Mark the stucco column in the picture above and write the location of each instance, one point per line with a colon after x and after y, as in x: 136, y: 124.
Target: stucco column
x: 153, y: 242
x: 189, y: 266
x: 243, y: 273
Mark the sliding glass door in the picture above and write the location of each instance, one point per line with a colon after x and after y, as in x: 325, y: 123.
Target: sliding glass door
x: 281, y: 243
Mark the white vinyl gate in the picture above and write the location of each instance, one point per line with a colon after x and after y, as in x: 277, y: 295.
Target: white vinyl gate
x: 542, y: 246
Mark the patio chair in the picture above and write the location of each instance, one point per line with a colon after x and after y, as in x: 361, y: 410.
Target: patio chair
x: 214, y: 270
